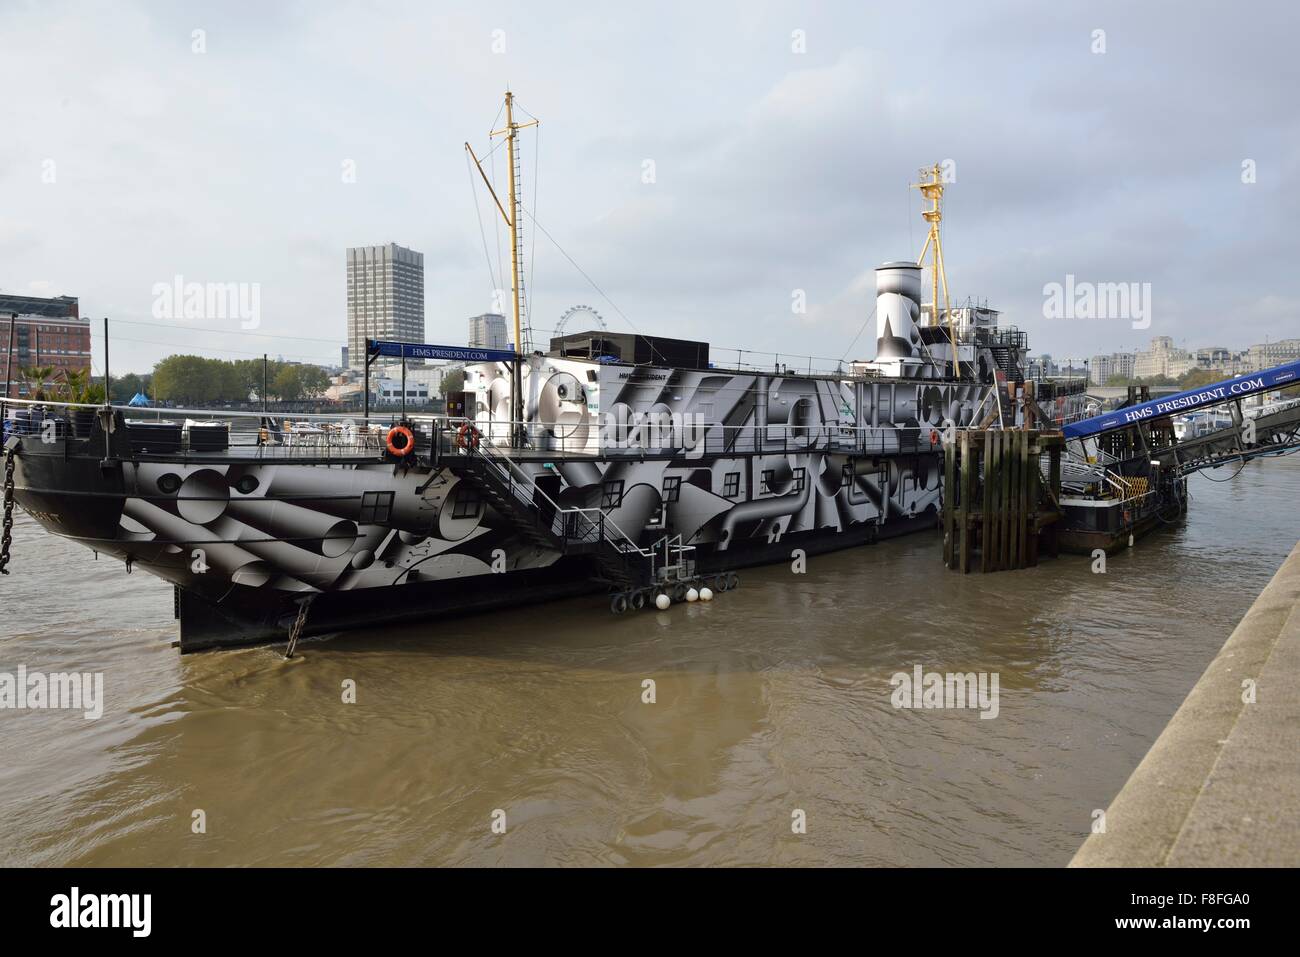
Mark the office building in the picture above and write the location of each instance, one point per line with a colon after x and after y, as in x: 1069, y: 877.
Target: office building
x: 385, y: 297
x: 488, y: 331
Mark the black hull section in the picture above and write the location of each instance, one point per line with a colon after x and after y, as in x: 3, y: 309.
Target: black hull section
x: 374, y: 542
x: 249, y: 616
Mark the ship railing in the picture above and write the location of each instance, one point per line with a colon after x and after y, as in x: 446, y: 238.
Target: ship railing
x: 567, y: 439
x: 573, y: 524
x: 197, y: 433
x: 1129, y: 490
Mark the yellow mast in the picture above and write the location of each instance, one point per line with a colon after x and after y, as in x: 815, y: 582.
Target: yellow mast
x: 932, y: 189
x: 511, y: 131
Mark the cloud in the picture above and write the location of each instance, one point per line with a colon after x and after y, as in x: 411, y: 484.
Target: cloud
x: 774, y: 170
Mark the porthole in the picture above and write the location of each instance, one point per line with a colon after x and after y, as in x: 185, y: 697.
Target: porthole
x: 169, y: 483
x: 247, y: 484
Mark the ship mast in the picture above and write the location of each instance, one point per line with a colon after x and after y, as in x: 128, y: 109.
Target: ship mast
x: 511, y: 132
x: 932, y: 189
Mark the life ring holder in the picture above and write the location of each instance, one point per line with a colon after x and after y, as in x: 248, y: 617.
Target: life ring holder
x: 406, y: 448
x: 467, y: 436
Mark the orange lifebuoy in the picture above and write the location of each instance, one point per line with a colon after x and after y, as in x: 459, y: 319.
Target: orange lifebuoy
x: 467, y: 437
x: 408, y: 440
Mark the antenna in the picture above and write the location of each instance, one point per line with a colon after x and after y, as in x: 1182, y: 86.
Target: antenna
x: 511, y: 133
x: 932, y: 189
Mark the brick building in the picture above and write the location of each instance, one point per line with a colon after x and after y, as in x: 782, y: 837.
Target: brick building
x: 45, y: 332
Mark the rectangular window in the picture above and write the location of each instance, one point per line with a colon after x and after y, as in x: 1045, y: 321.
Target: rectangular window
x: 376, y: 507
x: 800, y: 476
x: 467, y: 504
x: 731, y: 485
x: 846, y: 475
x: 765, y: 485
x: 612, y: 496
x: 672, y: 488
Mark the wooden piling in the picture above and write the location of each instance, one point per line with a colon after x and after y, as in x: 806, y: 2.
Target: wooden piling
x: 995, y: 499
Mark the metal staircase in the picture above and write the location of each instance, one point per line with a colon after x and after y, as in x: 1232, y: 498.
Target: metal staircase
x: 512, y: 492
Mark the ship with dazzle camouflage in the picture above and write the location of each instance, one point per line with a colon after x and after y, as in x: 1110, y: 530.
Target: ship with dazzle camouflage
x: 630, y: 464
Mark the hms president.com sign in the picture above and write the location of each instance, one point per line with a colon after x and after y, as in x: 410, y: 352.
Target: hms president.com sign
x: 414, y: 350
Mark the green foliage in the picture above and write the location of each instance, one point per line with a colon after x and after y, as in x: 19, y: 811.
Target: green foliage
x: 452, y: 382
x: 36, y: 379
x: 125, y: 387
x: 194, y: 380
x: 1199, y: 377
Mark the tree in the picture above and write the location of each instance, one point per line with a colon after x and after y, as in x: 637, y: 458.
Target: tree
x: 187, y: 379
x: 1194, y: 378
x: 125, y: 387
x: 37, y: 377
x: 314, y: 380
x: 287, y: 385
x: 453, y: 381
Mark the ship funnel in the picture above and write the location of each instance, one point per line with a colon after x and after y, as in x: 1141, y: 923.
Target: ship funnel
x: 898, y: 306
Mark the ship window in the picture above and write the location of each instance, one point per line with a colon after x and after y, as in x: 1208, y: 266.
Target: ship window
x: 766, y: 484
x: 612, y: 496
x: 800, y: 476
x: 376, y: 507
x: 731, y: 485
x: 846, y: 474
x: 672, y: 488
x: 467, y: 503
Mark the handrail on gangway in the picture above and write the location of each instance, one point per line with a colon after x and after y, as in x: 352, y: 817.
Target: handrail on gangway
x: 1229, y: 390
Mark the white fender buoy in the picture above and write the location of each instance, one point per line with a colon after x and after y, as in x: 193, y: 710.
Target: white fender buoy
x: 662, y: 601
x: 706, y: 594
x: 692, y: 595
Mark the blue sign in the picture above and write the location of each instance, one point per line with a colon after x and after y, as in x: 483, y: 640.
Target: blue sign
x: 1180, y: 402
x: 416, y: 350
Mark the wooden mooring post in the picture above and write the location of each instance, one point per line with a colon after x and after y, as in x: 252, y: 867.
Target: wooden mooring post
x: 995, y: 502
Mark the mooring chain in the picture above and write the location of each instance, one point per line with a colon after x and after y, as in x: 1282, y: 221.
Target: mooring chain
x: 7, y: 536
x: 296, y: 631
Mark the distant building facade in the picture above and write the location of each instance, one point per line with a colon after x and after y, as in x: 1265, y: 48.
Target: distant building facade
x: 385, y: 297
x: 45, y: 332
x: 1268, y: 354
x: 1102, y: 368
x: 1163, y: 358
x: 488, y: 331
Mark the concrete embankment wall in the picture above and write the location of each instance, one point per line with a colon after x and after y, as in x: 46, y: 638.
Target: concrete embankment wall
x: 1221, y: 785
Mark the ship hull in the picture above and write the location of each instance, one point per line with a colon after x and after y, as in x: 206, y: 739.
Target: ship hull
x: 621, y: 466
x: 244, y: 544
x: 252, y: 616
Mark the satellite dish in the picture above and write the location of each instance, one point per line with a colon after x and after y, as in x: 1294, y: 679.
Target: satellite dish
x: 585, y: 314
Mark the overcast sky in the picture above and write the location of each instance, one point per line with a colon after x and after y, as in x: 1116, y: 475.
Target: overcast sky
x: 774, y: 170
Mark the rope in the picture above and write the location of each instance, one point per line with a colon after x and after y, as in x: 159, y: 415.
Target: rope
x: 6, y: 538
x: 296, y: 631
x: 492, y: 280
x: 611, y: 302
x: 532, y: 252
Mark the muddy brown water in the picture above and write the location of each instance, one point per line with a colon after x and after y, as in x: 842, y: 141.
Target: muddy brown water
x: 771, y: 700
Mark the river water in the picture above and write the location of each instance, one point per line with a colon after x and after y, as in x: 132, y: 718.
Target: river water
x: 772, y: 706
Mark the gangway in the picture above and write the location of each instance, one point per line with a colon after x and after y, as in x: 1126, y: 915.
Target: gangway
x: 1229, y: 390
